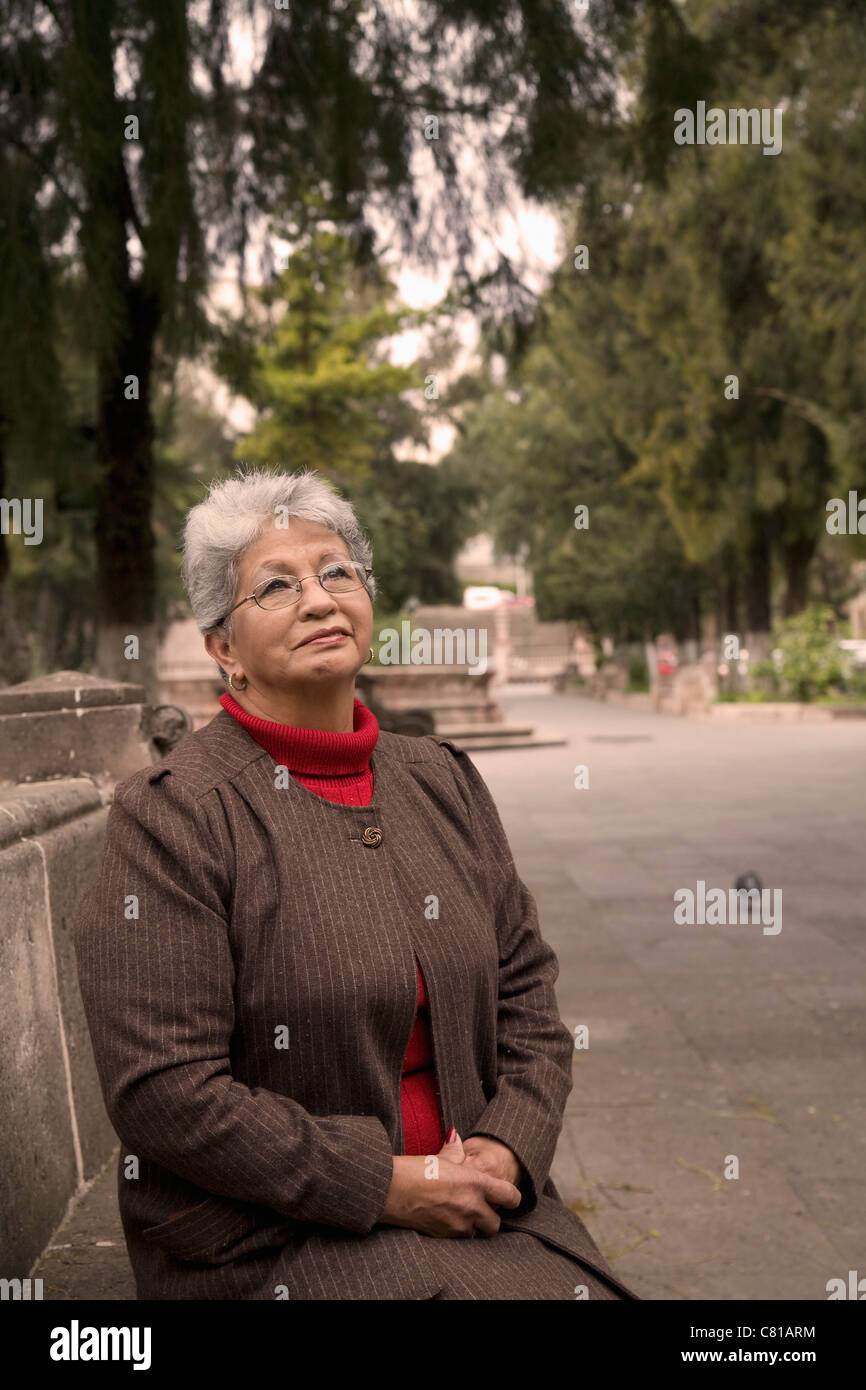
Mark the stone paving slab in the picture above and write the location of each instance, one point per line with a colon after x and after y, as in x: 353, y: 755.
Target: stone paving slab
x: 87, y: 1258
x: 705, y: 1041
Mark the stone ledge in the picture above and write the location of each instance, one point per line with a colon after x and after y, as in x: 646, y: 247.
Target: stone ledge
x: 106, y: 743
x: 783, y: 711
x: 73, y: 725
x: 34, y: 808
x: 69, y: 690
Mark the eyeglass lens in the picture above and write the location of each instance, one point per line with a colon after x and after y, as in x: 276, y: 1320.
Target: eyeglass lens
x: 282, y: 589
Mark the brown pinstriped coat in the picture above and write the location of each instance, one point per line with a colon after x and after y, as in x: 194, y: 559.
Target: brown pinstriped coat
x: 264, y: 917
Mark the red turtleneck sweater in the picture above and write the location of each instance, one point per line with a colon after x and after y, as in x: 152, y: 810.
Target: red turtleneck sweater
x: 337, y: 767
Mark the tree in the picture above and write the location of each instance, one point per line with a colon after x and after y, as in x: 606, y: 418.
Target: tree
x: 315, y: 364
x: 757, y: 270
x: 708, y: 350
x: 139, y: 129
x: 33, y: 404
x: 55, y: 583
x: 540, y: 451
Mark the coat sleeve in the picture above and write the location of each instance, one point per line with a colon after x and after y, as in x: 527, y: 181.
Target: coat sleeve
x: 534, y: 1046
x: 156, y: 974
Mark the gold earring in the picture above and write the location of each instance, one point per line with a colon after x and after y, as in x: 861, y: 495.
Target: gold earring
x: 237, y: 687
x: 369, y: 658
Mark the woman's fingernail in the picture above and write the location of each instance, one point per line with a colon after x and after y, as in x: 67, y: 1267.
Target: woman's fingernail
x: 451, y: 1135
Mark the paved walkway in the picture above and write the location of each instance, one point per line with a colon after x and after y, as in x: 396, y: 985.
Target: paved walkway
x: 704, y: 1041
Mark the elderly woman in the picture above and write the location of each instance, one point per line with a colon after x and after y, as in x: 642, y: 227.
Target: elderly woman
x: 321, y: 1008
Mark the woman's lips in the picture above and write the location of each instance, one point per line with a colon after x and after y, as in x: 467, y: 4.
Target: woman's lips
x: 331, y: 640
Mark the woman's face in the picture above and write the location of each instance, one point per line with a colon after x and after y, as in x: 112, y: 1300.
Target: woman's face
x: 270, y: 646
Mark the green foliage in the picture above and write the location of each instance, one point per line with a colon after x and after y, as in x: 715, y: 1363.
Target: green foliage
x: 328, y: 399
x: 705, y: 264
x: 192, y: 448
x: 855, y: 685
x: 811, y: 663
x: 385, y: 618
x: 756, y: 267
x: 638, y: 674
x: 766, y: 678
x: 544, y: 445
x: 330, y: 114
x: 419, y: 517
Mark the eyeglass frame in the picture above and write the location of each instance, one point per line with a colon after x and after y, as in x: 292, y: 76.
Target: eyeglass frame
x: 267, y: 579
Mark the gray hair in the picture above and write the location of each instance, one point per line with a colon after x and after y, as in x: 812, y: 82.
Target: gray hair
x: 235, y: 513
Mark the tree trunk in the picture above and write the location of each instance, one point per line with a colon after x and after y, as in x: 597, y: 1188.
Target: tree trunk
x: 757, y: 575
x: 126, y: 560
x: 14, y: 651
x: 14, y: 654
x: 127, y: 315
x: 797, y: 559
x: 730, y: 591
x: 695, y: 608
x: 758, y: 570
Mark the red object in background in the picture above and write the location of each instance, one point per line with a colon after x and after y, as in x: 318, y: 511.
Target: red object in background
x: 667, y: 663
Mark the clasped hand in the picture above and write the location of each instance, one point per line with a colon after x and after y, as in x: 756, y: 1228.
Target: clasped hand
x: 456, y: 1192
x: 492, y: 1156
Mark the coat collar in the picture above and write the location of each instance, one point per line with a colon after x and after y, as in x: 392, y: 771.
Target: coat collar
x: 222, y: 749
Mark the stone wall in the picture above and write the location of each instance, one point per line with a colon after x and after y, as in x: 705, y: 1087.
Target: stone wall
x: 64, y: 742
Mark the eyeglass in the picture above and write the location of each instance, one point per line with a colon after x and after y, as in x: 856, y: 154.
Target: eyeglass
x: 281, y: 590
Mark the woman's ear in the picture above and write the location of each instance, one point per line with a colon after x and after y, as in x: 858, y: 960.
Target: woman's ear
x: 216, y: 646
